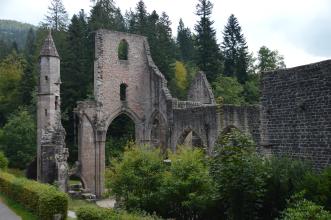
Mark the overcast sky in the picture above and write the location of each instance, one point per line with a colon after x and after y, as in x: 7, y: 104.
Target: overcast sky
x: 299, y: 29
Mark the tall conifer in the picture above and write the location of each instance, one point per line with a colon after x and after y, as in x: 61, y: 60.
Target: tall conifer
x: 235, y: 50
x: 208, y: 56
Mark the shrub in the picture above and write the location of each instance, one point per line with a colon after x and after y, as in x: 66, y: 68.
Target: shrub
x: 301, y: 208
x: 42, y: 199
x: 19, y: 139
x: 3, y: 161
x: 240, y: 176
x: 137, y: 178
x: 318, y: 187
x: 187, y: 189
x: 285, y: 176
x: 95, y: 213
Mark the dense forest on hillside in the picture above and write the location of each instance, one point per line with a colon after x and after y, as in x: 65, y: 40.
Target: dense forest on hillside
x: 14, y: 32
x: 231, y: 68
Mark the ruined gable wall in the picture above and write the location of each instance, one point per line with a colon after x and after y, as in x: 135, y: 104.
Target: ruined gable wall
x: 296, y: 112
x: 110, y: 73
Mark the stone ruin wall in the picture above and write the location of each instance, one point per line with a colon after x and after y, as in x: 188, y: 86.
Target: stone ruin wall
x: 296, y: 113
x: 244, y: 118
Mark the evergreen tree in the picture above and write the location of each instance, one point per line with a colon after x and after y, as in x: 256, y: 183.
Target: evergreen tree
x: 78, y: 65
x: 159, y: 34
x: 28, y: 82
x: 18, y: 140
x: 57, y: 17
x: 208, y: 56
x: 185, y: 42
x: 104, y: 14
x: 235, y: 51
x: 11, y: 71
x: 141, y: 17
x: 269, y: 60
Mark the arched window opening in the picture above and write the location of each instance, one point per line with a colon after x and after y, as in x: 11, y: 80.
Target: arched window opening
x: 191, y: 139
x: 123, y: 87
x: 158, y: 132
x: 123, y: 48
x: 120, y: 133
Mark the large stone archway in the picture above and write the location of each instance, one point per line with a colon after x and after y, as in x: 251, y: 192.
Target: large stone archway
x: 131, y: 84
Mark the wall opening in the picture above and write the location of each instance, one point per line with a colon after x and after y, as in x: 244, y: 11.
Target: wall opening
x: 76, y: 184
x: 158, y: 132
x: 56, y: 102
x: 123, y: 49
x: 190, y: 138
x: 123, y: 88
x: 119, y: 134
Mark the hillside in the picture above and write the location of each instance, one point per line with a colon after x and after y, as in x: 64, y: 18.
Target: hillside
x: 11, y: 30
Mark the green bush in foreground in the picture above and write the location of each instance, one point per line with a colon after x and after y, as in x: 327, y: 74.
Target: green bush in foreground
x: 180, y: 188
x: 240, y: 176
x: 3, y: 161
x: 41, y: 199
x: 95, y: 213
x: 301, y: 208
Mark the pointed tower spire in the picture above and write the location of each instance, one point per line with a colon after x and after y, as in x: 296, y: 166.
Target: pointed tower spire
x: 49, y: 48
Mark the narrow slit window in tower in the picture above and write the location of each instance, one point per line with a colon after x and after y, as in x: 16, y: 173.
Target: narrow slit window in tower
x: 123, y: 87
x: 46, y: 113
x: 56, y: 102
x: 123, y: 50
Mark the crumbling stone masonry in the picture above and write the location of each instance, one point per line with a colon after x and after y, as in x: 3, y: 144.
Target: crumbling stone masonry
x: 52, y: 154
x: 135, y: 87
x: 294, y: 117
x: 296, y: 112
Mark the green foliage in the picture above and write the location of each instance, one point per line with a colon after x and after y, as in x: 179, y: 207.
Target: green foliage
x: 185, y: 43
x: 181, y: 189
x: 208, y: 57
x: 187, y: 190
x: 252, y: 91
x: 13, y: 31
x: 229, y: 89
x: 104, y: 14
x: 317, y: 187
x: 137, y: 178
x: 179, y: 84
x: 96, y: 213
x: 3, y: 161
x: 11, y: 71
x: 115, y: 147
x: 269, y: 60
x: 57, y: 16
x: 235, y: 51
x: 240, y: 176
x: 301, y: 208
x: 18, y: 139
x: 285, y: 176
x: 42, y: 199
x: 123, y: 50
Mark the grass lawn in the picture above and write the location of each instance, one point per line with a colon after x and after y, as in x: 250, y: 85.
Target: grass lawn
x: 17, y: 208
x: 75, y: 204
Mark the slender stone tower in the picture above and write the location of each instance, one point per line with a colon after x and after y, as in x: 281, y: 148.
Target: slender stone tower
x: 52, y: 154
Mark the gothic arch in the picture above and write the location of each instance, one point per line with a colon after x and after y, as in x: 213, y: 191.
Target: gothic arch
x: 192, y: 134
x: 134, y: 117
x: 158, y: 130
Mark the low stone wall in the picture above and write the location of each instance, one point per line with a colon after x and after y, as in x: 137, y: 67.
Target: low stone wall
x: 244, y: 118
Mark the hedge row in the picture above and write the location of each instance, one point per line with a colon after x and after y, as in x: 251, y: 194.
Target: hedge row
x: 41, y: 199
x: 95, y: 213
